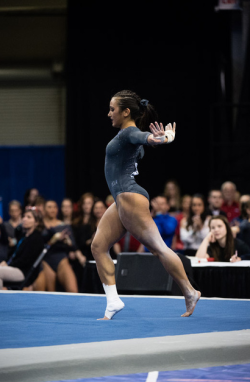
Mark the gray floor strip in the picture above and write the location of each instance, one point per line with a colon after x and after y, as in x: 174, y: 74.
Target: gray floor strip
x: 74, y: 361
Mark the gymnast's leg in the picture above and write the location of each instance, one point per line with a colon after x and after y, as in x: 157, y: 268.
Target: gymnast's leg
x: 134, y: 213
x: 109, y: 231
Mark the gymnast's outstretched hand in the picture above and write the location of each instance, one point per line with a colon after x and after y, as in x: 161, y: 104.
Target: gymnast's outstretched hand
x: 159, y: 136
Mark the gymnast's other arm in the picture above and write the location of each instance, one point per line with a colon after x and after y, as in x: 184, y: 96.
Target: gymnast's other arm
x: 159, y: 136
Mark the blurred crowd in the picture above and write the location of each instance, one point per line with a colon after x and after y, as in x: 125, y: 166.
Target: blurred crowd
x: 215, y: 226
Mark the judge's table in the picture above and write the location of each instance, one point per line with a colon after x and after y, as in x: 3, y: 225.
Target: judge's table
x: 222, y: 279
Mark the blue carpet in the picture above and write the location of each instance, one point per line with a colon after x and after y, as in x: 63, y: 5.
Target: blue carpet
x: 231, y: 373
x: 29, y: 320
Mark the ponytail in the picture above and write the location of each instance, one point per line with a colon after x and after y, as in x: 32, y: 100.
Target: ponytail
x: 142, y: 112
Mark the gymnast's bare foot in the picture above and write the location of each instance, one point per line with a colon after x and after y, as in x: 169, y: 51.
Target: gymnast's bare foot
x: 104, y: 318
x: 112, y: 308
x: 191, y: 301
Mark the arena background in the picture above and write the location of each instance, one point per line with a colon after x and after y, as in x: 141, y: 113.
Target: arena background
x: 67, y: 59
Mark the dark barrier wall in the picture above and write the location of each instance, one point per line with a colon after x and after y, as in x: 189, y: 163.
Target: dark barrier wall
x: 27, y: 167
x: 167, y: 53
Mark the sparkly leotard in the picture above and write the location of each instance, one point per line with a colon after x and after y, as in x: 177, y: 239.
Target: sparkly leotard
x: 122, y: 155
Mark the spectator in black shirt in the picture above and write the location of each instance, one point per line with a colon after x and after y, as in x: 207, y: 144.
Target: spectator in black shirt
x: 220, y: 243
x: 27, y: 250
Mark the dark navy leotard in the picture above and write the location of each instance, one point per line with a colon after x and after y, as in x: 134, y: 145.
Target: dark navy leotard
x: 122, y: 155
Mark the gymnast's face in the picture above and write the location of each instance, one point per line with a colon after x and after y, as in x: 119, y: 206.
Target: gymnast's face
x: 115, y: 114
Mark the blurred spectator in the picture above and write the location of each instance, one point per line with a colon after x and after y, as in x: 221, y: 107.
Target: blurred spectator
x: 61, y: 240
x: 243, y: 199
x: 215, y: 201
x: 85, y: 205
x: 128, y: 244
x: 27, y: 250
x: 166, y: 224
x: 237, y: 196
x: 66, y: 213
x: 97, y: 211
x: 30, y: 196
x: 194, y: 228
x: 230, y: 206
x: 177, y: 244
x: 3, y: 242
x: 81, y: 227
x: 15, y: 213
x: 173, y: 194
x: 109, y: 200
x: 220, y: 244
x: 40, y: 204
x: 243, y: 231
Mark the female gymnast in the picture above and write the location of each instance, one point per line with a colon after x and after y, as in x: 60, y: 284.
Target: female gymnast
x: 130, y: 212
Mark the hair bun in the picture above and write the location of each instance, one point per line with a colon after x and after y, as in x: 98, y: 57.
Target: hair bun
x: 144, y: 102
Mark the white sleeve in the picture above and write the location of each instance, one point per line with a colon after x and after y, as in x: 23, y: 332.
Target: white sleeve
x: 186, y: 236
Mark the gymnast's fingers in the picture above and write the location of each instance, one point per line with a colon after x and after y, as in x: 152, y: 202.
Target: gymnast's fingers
x: 152, y: 128
x: 161, y: 127
x: 157, y: 126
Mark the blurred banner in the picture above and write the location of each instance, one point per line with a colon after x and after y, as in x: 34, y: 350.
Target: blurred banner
x: 228, y: 5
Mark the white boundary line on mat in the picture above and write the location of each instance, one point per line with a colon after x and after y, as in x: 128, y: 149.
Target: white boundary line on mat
x: 121, y: 295
x: 152, y: 376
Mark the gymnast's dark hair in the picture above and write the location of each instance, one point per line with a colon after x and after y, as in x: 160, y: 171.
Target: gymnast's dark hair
x: 142, y: 112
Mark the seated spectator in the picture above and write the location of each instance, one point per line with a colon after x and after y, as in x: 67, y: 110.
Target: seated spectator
x: 244, y: 198
x: 15, y: 213
x: 173, y: 194
x: 81, y: 227
x: 128, y: 244
x: 109, y: 200
x: 97, y: 211
x: 61, y: 240
x: 177, y: 244
x: 243, y: 229
x: 76, y: 258
x: 30, y: 196
x: 220, y: 244
x: 40, y: 204
x: 84, y: 242
x: 215, y: 201
x: 229, y: 205
x: 66, y: 213
x: 3, y: 242
x: 85, y: 205
x: 27, y: 250
x: 166, y: 224
x: 236, y: 221
x: 194, y: 228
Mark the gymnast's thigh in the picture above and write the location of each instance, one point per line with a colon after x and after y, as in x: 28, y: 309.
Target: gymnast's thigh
x: 110, y: 229
x: 135, y: 215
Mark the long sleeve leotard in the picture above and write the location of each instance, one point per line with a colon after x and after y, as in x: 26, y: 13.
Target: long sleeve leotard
x: 122, y: 155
